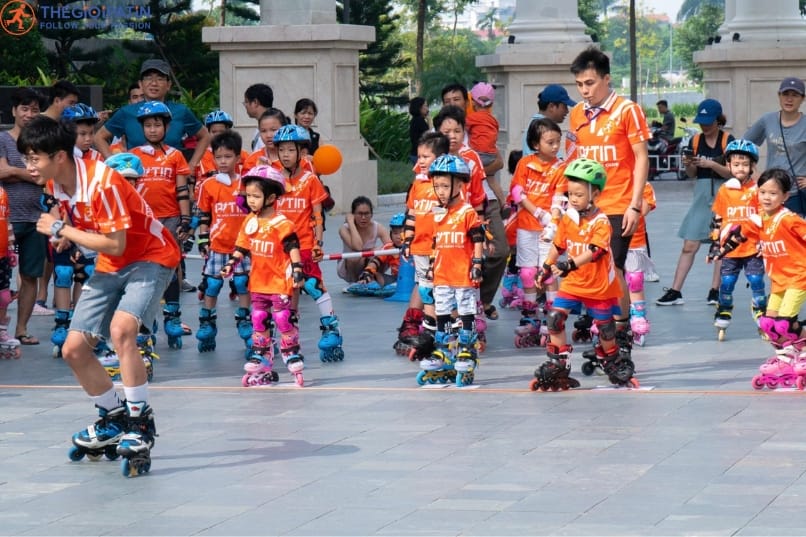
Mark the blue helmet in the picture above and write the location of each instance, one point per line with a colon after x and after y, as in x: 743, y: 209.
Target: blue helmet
x: 398, y: 220
x: 289, y: 133
x: 742, y: 147
x: 303, y: 133
x: 80, y: 112
x: 218, y: 116
x: 450, y: 165
x: 127, y: 164
x: 153, y: 109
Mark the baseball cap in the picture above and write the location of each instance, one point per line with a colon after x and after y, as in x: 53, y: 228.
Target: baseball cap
x: 483, y: 93
x: 160, y: 66
x: 792, y: 83
x: 554, y: 93
x: 708, y: 111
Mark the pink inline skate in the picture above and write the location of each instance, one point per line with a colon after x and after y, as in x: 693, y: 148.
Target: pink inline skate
x: 639, y: 323
x: 779, y: 370
x: 530, y: 332
x: 258, y: 367
x: 511, y: 292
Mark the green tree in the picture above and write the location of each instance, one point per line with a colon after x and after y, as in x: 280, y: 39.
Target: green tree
x: 693, y: 34
x: 23, y: 56
x: 451, y: 57
x: 690, y: 8
x: 652, y: 44
x: 588, y: 11
x: 487, y: 22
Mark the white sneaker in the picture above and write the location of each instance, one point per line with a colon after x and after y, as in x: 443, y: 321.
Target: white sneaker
x: 651, y: 277
x: 431, y: 363
x: 41, y: 310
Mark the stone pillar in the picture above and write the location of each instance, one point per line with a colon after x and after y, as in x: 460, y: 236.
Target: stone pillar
x: 305, y: 59
x: 744, y: 75
x: 548, y: 35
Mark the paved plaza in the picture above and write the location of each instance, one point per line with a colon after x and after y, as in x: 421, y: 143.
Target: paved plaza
x: 362, y: 450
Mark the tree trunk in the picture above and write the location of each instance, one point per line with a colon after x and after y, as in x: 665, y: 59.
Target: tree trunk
x: 418, y: 61
x: 633, y: 55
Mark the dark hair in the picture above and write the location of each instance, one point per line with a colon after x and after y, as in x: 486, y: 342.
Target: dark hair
x: 44, y: 135
x: 26, y: 96
x: 779, y: 175
x: 304, y: 103
x: 515, y: 156
x: 437, y: 142
x: 537, y: 128
x: 591, y: 58
x: 61, y: 89
x: 662, y: 102
x: 453, y: 87
x: 228, y: 139
x: 415, y: 105
x: 273, y: 112
x: 361, y: 200
x: 261, y: 93
x: 721, y: 120
x: 266, y: 186
x: 449, y: 112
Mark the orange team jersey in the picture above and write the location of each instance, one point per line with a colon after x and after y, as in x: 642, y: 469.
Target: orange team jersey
x: 595, y: 280
x: 389, y: 263
x: 453, y: 250
x: 421, y: 200
x: 271, y: 264
x: 92, y: 154
x: 105, y: 202
x: 4, y: 214
x: 475, y: 195
x: 639, y: 237
x: 207, y: 165
x: 158, y: 183
x: 541, y: 181
x: 782, y: 240
x: 302, y: 192
x: 226, y: 217
x: 607, y: 137
x: 117, y: 147
x: 735, y: 203
x: 482, y: 129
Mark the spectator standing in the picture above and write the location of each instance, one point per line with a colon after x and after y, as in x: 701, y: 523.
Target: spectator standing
x: 552, y: 103
x: 418, y: 109
x: 305, y: 111
x: 257, y: 99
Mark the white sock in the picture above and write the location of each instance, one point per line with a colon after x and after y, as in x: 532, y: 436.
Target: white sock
x: 107, y: 400
x: 136, y: 393
x: 325, y: 305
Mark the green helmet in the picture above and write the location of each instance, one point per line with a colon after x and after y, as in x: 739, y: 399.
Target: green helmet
x: 588, y: 170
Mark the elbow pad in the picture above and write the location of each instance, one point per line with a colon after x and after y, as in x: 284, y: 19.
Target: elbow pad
x: 476, y: 234
x: 596, y: 251
x: 205, y: 219
x: 290, y: 242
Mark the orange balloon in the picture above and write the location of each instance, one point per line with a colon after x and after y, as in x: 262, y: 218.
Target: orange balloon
x: 327, y: 159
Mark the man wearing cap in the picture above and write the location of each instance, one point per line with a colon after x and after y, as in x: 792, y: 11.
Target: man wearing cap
x: 155, y: 81
x: 785, y: 134
x: 552, y: 103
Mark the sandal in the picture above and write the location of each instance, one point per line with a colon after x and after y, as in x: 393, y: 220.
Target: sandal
x: 27, y: 339
x: 491, y: 312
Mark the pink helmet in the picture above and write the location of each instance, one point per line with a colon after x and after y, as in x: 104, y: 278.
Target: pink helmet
x: 268, y: 173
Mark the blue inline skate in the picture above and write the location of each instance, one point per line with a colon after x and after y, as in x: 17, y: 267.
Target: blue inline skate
x: 59, y: 333
x: 466, y: 358
x: 135, y: 446
x: 173, y: 324
x: 100, y: 438
x: 330, y: 343
x: 243, y: 321
x: 439, y: 365
x: 207, y: 330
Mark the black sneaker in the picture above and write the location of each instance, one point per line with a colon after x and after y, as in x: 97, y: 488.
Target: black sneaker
x: 670, y: 298
x: 713, y: 297
x: 188, y: 287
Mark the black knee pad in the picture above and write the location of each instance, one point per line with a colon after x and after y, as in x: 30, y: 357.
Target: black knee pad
x: 607, y: 329
x: 555, y: 321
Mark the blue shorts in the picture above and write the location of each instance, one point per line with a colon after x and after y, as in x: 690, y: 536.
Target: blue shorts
x: 137, y: 290
x: 601, y: 310
x: 216, y: 261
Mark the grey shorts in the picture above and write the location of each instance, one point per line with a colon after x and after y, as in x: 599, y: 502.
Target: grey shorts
x: 137, y: 290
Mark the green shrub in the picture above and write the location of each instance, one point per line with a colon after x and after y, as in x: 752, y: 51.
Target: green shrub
x: 394, y: 176
x: 386, y: 131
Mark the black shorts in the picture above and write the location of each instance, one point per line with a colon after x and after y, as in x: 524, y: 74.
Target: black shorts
x: 618, y: 245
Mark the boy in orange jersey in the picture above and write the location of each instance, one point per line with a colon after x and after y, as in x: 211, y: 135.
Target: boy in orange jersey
x: 613, y: 131
x: 269, y: 122
x: 164, y: 186
x: 216, y: 122
x: 270, y: 240
x: 379, y: 276
x: 85, y: 118
x: 735, y: 202
x: 637, y: 265
x: 589, y: 280
x: 302, y: 204
x: 420, y: 322
x: 136, y: 259
x: 455, y: 271
x: 9, y: 346
x: 220, y: 218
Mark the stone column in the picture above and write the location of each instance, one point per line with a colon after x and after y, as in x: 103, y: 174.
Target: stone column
x: 744, y: 75
x: 300, y: 51
x: 547, y: 35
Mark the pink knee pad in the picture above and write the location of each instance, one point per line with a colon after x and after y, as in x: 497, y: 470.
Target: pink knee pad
x: 282, y: 320
x: 635, y: 281
x: 5, y: 298
x: 528, y: 275
x: 259, y: 318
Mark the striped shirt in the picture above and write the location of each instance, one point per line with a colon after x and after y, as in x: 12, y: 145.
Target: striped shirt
x: 23, y: 197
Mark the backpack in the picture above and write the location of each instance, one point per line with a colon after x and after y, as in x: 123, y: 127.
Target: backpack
x: 695, y: 142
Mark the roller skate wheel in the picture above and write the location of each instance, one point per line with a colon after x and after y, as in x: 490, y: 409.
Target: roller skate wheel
x: 275, y: 377
x: 133, y: 468
x: 299, y: 380
x: 588, y: 369
x: 94, y: 457
x: 800, y: 383
x: 56, y: 352
x: 772, y: 383
x: 412, y: 354
x: 634, y: 383
x: 758, y: 382
x: 75, y: 453
x: 517, y: 342
x: 534, y: 384
x: 721, y: 334
x: 639, y: 340
x: 245, y: 381
x: 421, y: 378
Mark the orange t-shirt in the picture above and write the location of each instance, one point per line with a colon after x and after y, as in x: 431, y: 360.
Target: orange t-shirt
x: 736, y: 206
x: 482, y: 131
x: 271, y: 265
x: 639, y: 237
x: 541, y: 181
x: 595, y: 280
x: 302, y: 192
x: 158, y: 184
x: 782, y: 239
x: 453, y: 250
x: 92, y: 154
x: 607, y: 137
x: 475, y: 191
x: 226, y: 217
x: 4, y: 214
x: 260, y: 157
x: 390, y: 263
x: 208, y: 166
x: 420, y: 201
x: 105, y: 202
